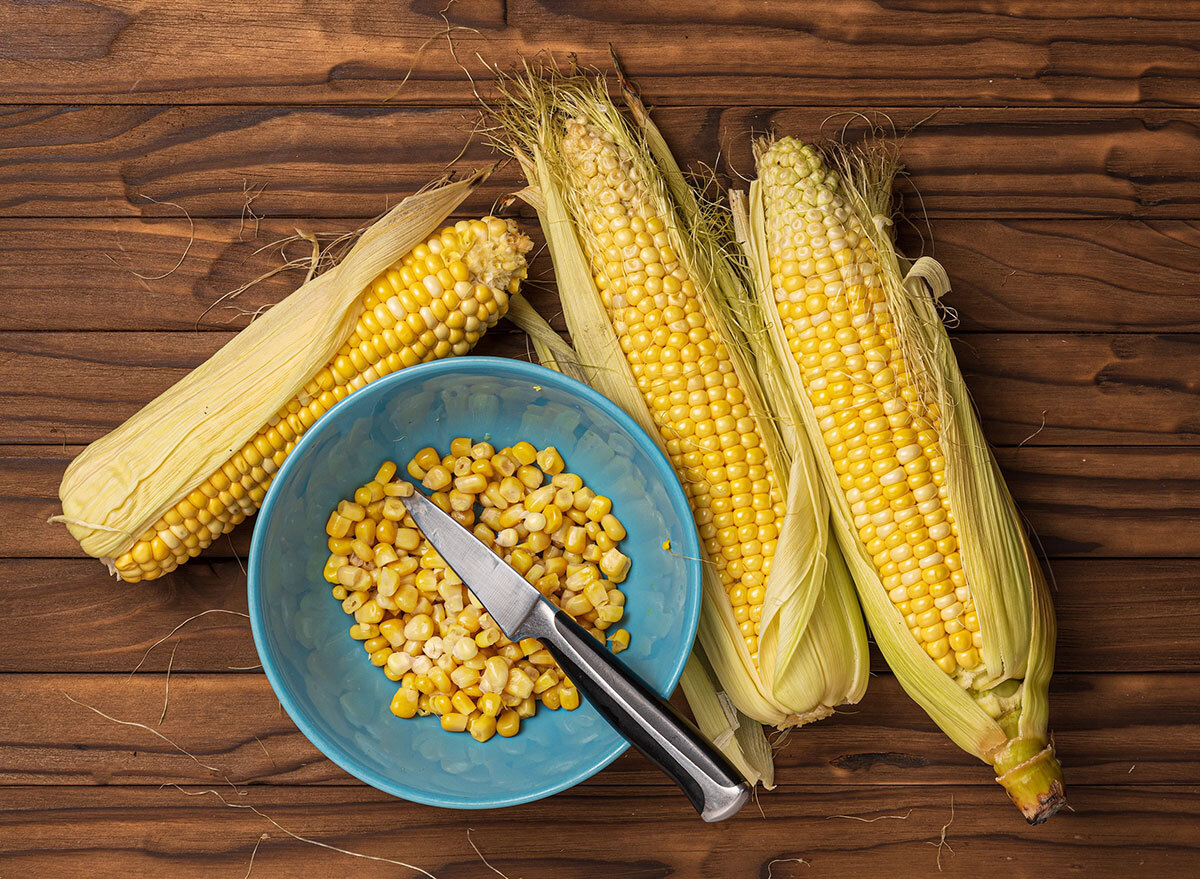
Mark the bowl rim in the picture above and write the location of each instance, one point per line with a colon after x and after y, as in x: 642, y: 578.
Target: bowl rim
x: 521, y: 370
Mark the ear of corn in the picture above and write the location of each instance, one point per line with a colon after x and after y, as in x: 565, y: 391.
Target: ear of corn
x: 198, y: 459
x: 946, y: 575
x: 639, y: 282
x: 739, y: 737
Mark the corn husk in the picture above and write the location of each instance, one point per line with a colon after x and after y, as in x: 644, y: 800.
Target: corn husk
x: 123, y: 482
x: 813, y: 646
x: 1001, y: 716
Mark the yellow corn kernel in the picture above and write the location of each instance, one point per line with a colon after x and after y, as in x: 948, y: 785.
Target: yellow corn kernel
x: 599, y: 507
x: 577, y: 605
x: 482, y: 727
x: 524, y: 452
x: 519, y: 684
x: 508, y: 724
x: 610, y: 613
x: 362, y: 632
x: 576, y: 539
x: 619, y: 640
x: 568, y: 696
x: 462, y: 703
x: 570, y: 481
x: 490, y: 704
x: 380, y: 657
x: 398, y: 489
x: 612, y: 527
x: 338, y: 525
x: 436, y: 478
x: 404, y: 703
x: 545, y: 681
x: 334, y: 565
x: 354, y: 578
x: 550, y: 461
x: 495, y: 675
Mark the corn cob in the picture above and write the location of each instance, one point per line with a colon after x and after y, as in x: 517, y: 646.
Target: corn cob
x: 435, y: 301
x: 920, y: 508
x: 640, y: 293
x: 682, y: 368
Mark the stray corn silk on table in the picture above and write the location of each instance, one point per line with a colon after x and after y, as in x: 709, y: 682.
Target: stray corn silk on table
x: 198, y: 459
x: 416, y: 619
x: 643, y: 291
x: 945, y: 572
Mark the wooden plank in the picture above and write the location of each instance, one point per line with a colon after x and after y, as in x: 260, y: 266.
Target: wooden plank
x: 1045, y: 276
x: 1085, y: 275
x: 105, y: 161
x: 65, y: 274
x: 885, y: 739
x: 85, y: 400
x: 600, y: 829
x: 1082, y: 502
x: 1079, y: 390
x: 1052, y: 389
x: 112, y: 626
x: 929, y: 54
x: 1114, y: 615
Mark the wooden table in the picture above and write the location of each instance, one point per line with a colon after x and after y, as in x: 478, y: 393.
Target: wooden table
x: 1056, y: 156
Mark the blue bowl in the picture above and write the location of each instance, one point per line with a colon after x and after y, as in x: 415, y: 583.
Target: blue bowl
x: 322, y: 677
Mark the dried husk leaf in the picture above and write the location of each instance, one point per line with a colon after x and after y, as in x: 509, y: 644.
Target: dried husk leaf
x: 1001, y: 718
x: 124, y: 481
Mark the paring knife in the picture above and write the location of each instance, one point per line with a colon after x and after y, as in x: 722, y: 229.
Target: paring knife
x: 647, y: 721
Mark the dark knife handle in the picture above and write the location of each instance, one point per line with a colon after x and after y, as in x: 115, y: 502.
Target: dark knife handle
x: 647, y: 721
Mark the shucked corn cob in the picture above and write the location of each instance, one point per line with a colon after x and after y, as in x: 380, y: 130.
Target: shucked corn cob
x: 940, y: 559
x: 682, y: 368
x: 642, y: 294
x: 884, y: 438
x: 144, y: 498
x: 435, y: 302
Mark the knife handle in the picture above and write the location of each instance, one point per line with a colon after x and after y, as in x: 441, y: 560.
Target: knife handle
x: 647, y: 721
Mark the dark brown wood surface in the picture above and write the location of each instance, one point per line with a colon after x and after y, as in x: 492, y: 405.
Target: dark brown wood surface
x: 1052, y: 152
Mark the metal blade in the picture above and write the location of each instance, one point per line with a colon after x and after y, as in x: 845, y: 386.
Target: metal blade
x: 507, y: 595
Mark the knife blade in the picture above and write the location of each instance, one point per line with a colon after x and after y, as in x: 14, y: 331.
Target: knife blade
x: 508, y: 596
x: 646, y: 720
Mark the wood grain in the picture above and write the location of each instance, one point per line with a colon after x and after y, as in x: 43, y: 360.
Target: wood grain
x: 286, y: 51
x: 1052, y: 389
x: 601, y: 829
x: 103, y: 161
x: 1044, y: 276
x: 1082, y: 502
x: 111, y: 626
x: 1103, y: 725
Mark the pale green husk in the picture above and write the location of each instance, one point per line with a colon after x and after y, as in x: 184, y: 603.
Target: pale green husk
x: 1002, y: 715
x: 813, y: 646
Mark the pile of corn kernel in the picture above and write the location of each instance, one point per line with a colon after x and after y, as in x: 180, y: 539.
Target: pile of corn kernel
x: 420, y: 624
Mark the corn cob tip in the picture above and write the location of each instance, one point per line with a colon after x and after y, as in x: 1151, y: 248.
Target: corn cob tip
x: 1034, y: 783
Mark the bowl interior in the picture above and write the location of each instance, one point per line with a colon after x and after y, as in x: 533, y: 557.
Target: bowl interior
x: 322, y: 677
